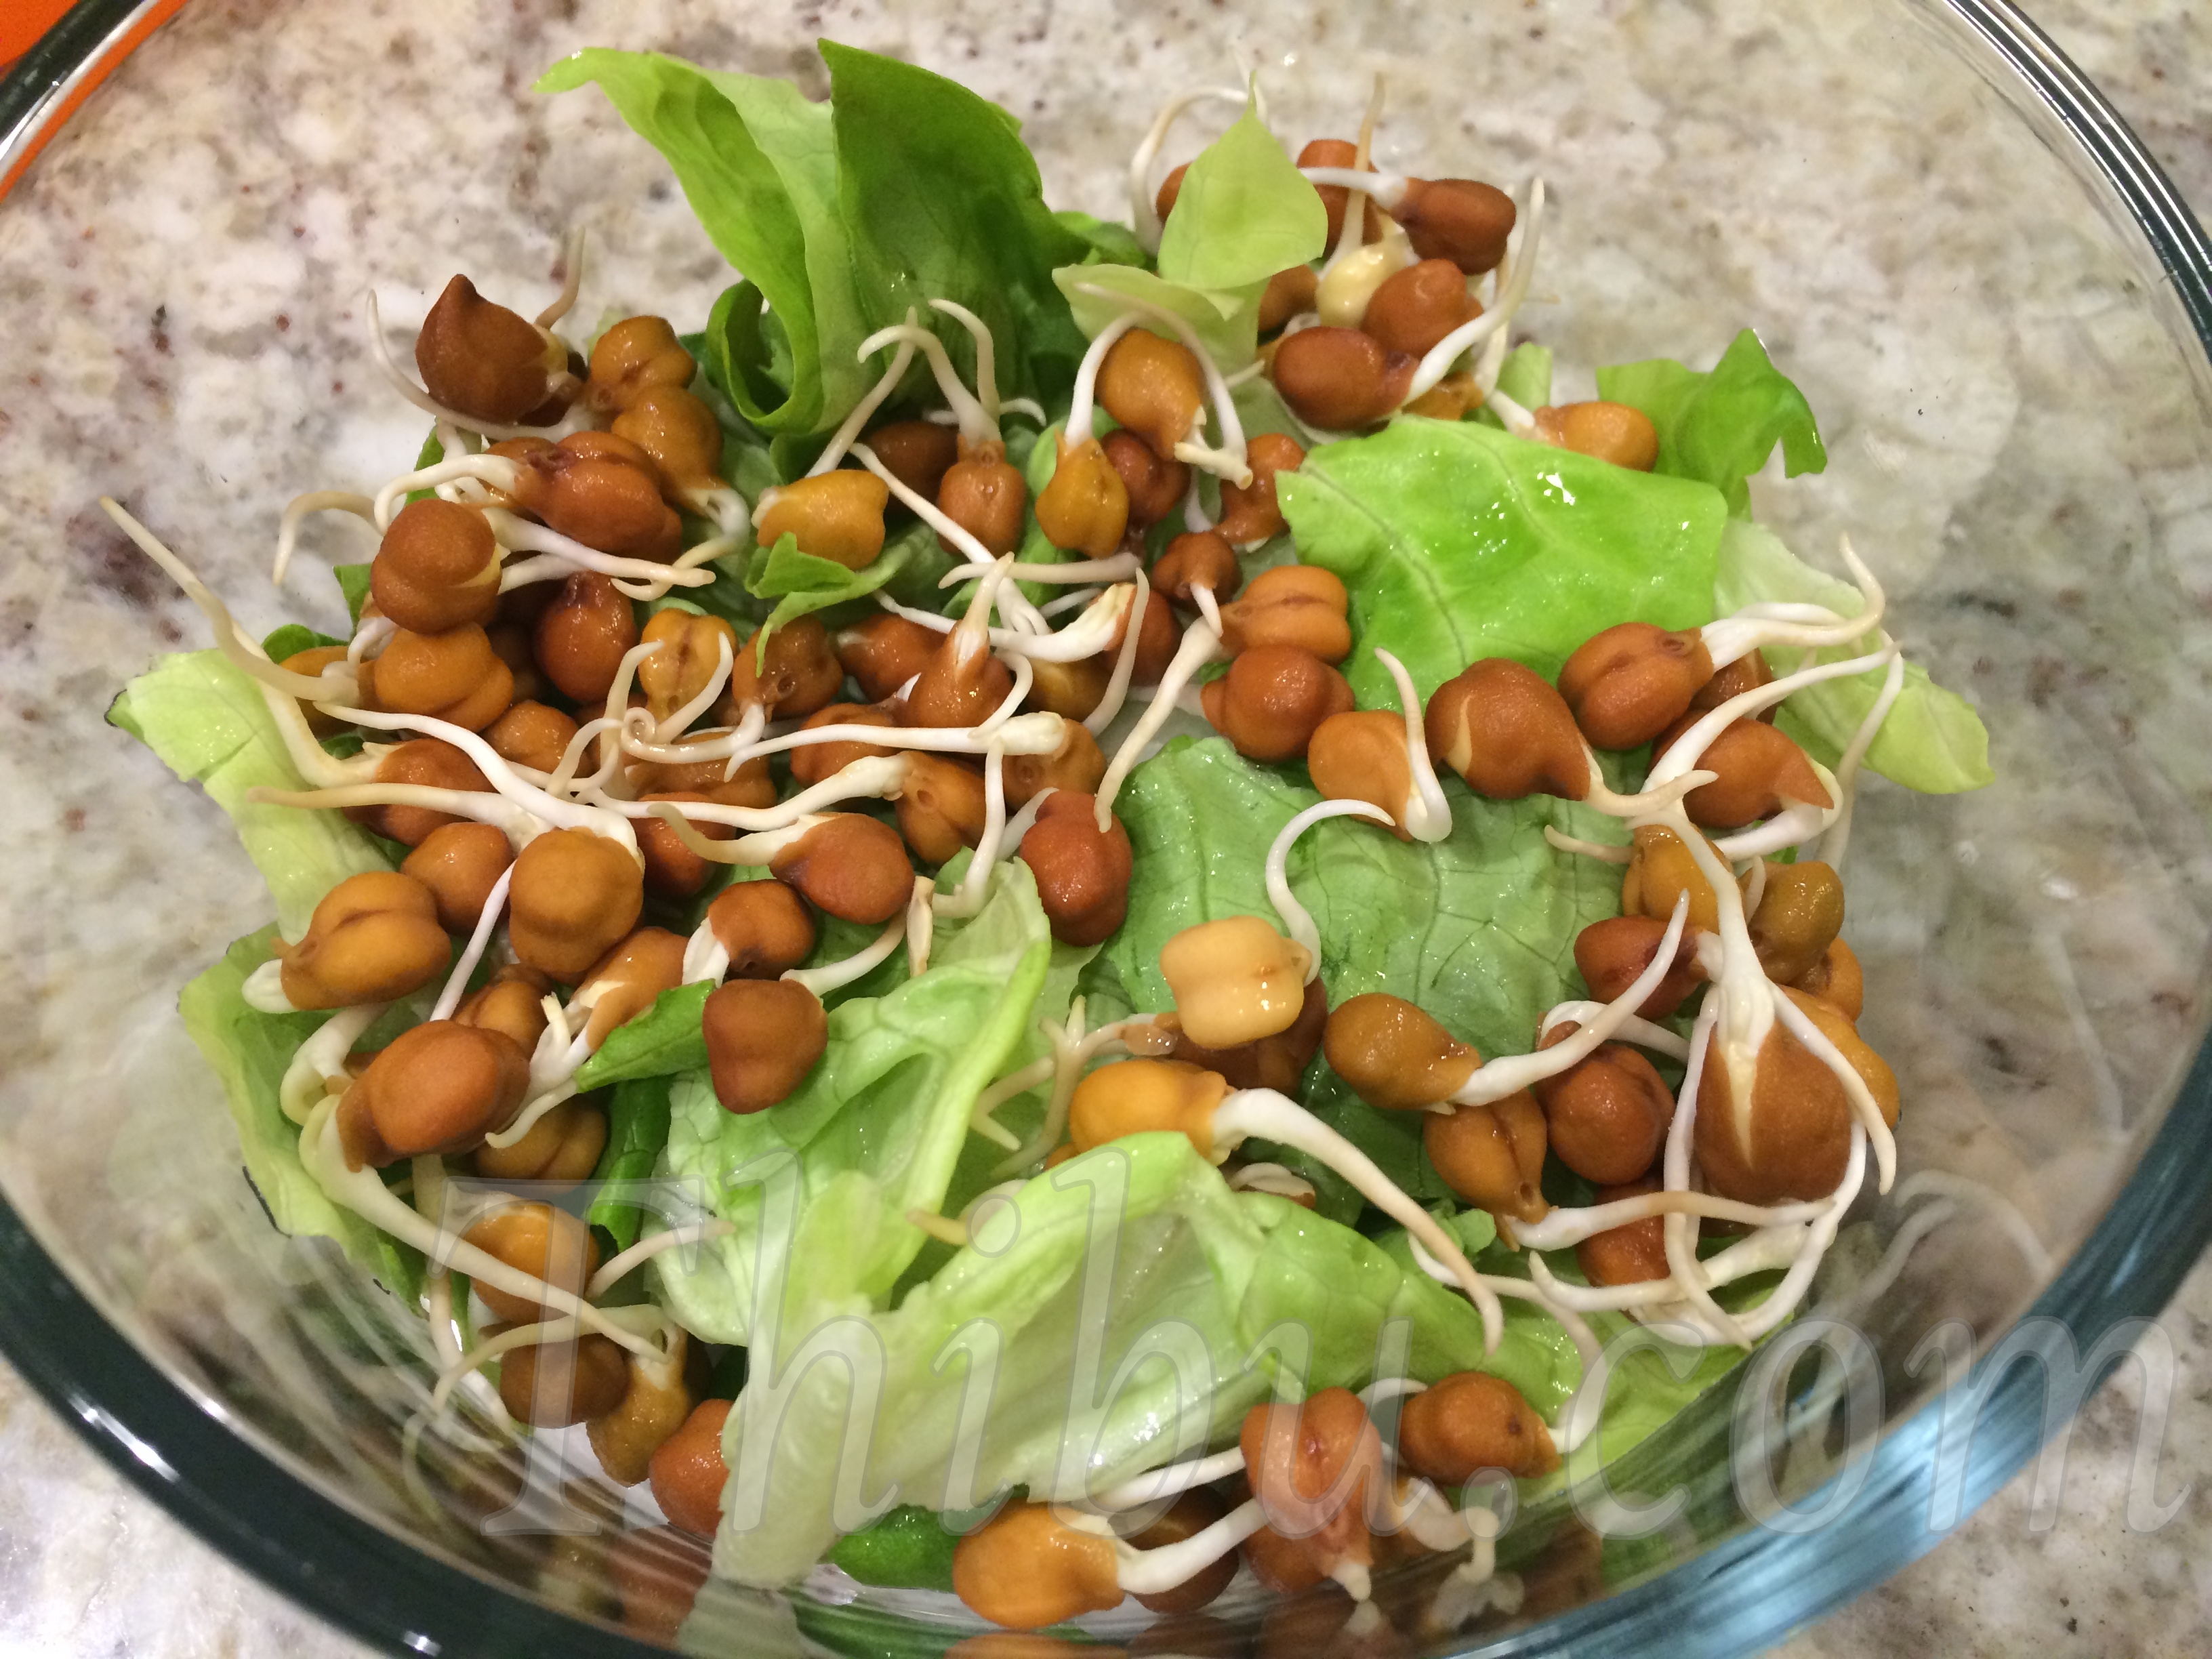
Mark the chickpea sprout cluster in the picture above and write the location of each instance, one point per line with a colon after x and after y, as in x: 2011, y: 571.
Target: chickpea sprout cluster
x: 606, y: 774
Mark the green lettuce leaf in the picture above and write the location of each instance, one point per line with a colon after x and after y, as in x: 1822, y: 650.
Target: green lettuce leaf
x: 1245, y: 212
x: 1932, y: 741
x: 666, y: 1038
x: 1720, y: 426
x: 1478, y: 929
x: 1109, y: 243
x: 1525, y: 377
x: 293, y: 638
x: 353, y: 582
x: 208, y: 722
x: 637, y: 1130
x: 759, y: 165
x: 878, y: 1127
x: 1226, y: 320
x: 248, y: 1051
x: 942, y: 200
x: 1458, y: 542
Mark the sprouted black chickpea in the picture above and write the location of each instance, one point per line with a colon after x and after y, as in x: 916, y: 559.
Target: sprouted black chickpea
x: 1082, y: 872
x: 603, y: 490
x: 1340, y: 379
x: 851, y: 867
x: 1361, y: 755
x: 1461, y: 220
x: 459, y: 864
x: 532, y: 734
x: 1607, y: 1114
x: 940, y: 806
x: 1492, y: 1155
x: 438, y: 1087
x: 1084, y: 507
x: 582, y: 635
x: 818, y: 760
x: 373, y: 938
x: 1611, y: 954
x: 883, y: 653
x: 454, y: 677
x: 1274, y: 699
x: 1799, y: 1116
x: 797, y: 675
x: 1507, y: 733
x: 764, y: 928
x: 987, y: 496
x: 1415, y: 308
x: 513, y: 1004
x: 1633, y: 681
x: 1630, y: 1255
x: 1761, y: 770
x: 1296, y: 605
x: 918, y: 454
x: 1394, y: 1054
x: 550, y: 1385
x: 1155, y: 487
x: 429, y: 762
x: 1197, y: 558
x: 1074, y: 768
x: 1251, y: 513
x: 563, y: 1146
x: 436, y: 568
x: 1153, y: 387
x: 480, y: 359
x: 763, y: 1036
x: 573, y: 895
x: 1288, y: 293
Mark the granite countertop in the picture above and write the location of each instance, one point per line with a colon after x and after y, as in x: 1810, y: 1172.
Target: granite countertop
x: 89, y: 1567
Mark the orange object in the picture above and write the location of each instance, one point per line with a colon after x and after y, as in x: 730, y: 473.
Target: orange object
x: 21, y: 24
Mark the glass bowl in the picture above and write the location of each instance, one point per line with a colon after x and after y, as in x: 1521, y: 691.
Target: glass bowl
x: 1991, y: 294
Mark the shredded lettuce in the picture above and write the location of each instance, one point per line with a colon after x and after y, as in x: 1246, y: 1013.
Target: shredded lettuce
x: 1932, y: 740
x: 1458, y: 542
x: 1719, y: 426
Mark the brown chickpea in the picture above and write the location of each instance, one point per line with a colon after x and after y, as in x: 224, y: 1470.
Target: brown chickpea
x: 1310, y: 1466
x: 1155, y: 487
x: 510, y: 643
x: 688, y: 1472
x: 551, y: 1385
x: 1837, y: 978
x: 482, y: 359
x: 1145, y: 1097
x: 634, y: 357
x: 312, y: 662
x: 853, y: 866
x: 1449, y: 399
x: 838, y: 516
x: 1188, y: 1516
x: 680, y: 433
x: 1340, y: 379
x: 1085, y: 507
x: 454, y: 677
x: 460, y: 863
x: 753, y: 785
x: 511, y: 1003
x: 436, y: 568
x: 1456, y: 219
x: 658, y: 1571
x: 799, y: 675
x: 1171, y: 190
x: 532, y: 734
x: 548, y: 1244
x: 1630, y: 1255
x: 573, y: 895
x: 960, y: 684
x: 813, y: 763
x: 582, y: 637
x: 1394, y: 1055
x: 1082, y: 872
x: 655, y: 1402
x: 563, y: 1146
x: 1609, y: 955
x: 1630, y: 683
x: 1610, y: 432
x: 1276, y: 1061
x: 1299, y: 605
x: 1273, y: 700
x: 1197, y: 558
x: 1492, y: 1155
x: 690, y: 652
x: 627, y: 980
x: 1607, y: 1114
x: 1504, y: 730
x: 1660, y: 871
x: 373, y: 938
x: 885, y: 651
x: 1798, y: 917
x: 1472, y: 1421
x: 1361, y: 755
x: 437, y: 1087
x: 1024, y: 1569
x: 1335, y: 198
x: 1158, y: 640
x: 918, y: 454
x: 1153, y: 387
x: 1250, y: 513
x: 1747, y: 673
x: 1070, y: 690
x: 429, y: 762
x: 602, y: 490
x: 1288, y: 293
x: 1761, y: 771
x: 940, y: 806
x: 763, y: 925
x: 1416, y: 308
x: 987, y: 496
x: 1076, y: 768
x: 1799, y: 1117
x: 763, y: 1036
x: 1287, y: 1567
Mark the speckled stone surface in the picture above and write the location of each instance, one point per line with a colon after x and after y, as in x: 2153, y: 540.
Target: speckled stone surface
x: 309, y: 170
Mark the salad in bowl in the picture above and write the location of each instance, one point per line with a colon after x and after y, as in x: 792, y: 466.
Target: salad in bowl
x: 1088, y: 914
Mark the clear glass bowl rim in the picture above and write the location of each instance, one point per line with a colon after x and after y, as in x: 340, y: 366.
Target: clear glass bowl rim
x: 1741, y: 1594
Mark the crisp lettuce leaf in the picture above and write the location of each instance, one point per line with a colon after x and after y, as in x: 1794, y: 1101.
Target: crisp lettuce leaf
x: 758, y: 163
x: 1226, y: 320
x: 1458, y: 542
x: 1720, y: 426
x: 208, y: 722
x: 941, y: 200
x: 1109, y: 243
x: 1932, y: 740
x: 1245, y: 212
x: 666, y: 1039
x: 878, y: 1127
x: 1478, y: 929
x: 637, y: 1130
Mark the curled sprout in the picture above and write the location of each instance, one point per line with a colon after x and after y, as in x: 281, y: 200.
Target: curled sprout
x: 314, y: 501
x: 977, y: 425
x: 321, y: 1058
x: 1298, y: 921
x: 1756, y: 627
x: 1427, y: 814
